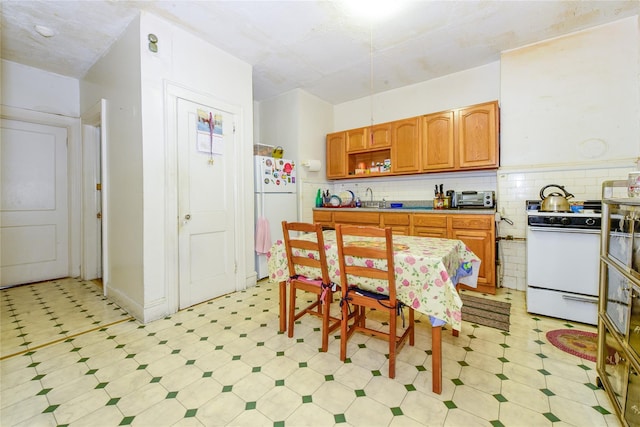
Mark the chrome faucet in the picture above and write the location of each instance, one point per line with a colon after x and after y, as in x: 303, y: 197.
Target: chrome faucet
x: 369, y: 190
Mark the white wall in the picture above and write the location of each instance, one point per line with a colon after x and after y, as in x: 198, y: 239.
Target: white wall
x: 133, y: 80
x: 570, y: 116
x: 187, y: 61
x: 558, y: 100
x: 572, y: 99
x: 33, y: 89
x: 299, y: 122
x: 116, y: 77
x: 468, y: 87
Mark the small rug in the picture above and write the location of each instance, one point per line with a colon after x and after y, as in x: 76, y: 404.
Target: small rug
x: 579, y: 343
x: 486, y: 312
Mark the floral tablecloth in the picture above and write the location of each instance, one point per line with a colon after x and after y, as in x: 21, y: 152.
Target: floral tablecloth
x: 427, y: 271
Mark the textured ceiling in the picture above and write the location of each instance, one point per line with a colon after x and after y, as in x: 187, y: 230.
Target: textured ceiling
x: 318, y: 46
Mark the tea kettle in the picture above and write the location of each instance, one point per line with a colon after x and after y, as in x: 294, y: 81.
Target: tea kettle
x: 555, y: 202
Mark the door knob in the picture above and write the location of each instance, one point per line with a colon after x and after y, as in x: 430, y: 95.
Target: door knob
x: 187, y: 217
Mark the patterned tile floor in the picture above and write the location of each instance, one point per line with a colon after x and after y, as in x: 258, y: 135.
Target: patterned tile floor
x: 223, y: 362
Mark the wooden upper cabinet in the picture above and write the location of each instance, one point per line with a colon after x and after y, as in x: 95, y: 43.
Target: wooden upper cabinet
x: 357, y: 139
x: 405, y: 145
x: 438, y: 141
x: 380, y: 136
x: 336, y: 155
x: 478, y: 136
x: 449, y: 141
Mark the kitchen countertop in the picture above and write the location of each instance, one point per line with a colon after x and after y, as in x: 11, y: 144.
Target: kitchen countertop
x: 409, y: 209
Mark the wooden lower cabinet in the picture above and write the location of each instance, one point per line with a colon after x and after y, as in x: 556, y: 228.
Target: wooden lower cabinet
x: 482, y: 243
x: 430, y: 225
x: 400, y: 223
x: 476, y: 231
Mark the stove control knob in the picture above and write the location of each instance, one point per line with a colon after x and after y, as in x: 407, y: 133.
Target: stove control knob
x: 552, y: 220
x: 565, y: 221
x: 590, y: 221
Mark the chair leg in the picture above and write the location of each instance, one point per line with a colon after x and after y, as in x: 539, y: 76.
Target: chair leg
x: 393, y: 317
x: 325, y: 319
x: 344, y: 323
x: 283, y: 305
x: 292, y: 309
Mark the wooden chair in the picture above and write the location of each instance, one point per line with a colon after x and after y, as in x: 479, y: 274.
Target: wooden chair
x: 351, y: 277
x: 297, y: 257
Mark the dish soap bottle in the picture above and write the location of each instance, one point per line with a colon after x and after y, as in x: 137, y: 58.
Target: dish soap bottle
x: 319, y: 199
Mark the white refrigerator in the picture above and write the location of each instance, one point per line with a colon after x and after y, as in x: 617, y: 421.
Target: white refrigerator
x: 275, y: 201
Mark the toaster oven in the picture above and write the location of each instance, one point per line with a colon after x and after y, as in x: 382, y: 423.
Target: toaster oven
x: 475, y: 199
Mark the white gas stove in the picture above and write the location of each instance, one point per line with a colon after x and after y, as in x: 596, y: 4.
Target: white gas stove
x: 563, y: 251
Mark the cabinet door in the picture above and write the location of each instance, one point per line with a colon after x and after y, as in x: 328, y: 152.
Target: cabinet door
x: 481, y: 244
x: 380, y: 136
x: 351, y: 217
x: 399, y: 222
x: 323, y: 217
x: 357, y: 139
x: 429, y: 225
x: 405, y: 146
x: 336, y: 155
x: 440, y: 233
x: 478, y: 136
x: 437, y: 140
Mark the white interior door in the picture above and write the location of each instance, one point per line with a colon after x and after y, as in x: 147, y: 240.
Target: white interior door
x: 34, y: 213
x: 206, y: 222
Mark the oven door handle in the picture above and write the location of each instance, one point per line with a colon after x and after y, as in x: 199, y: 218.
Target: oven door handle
x: 565, y: 230
x: 592, y: 300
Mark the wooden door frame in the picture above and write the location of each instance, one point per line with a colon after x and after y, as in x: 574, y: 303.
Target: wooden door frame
x: 74, y: 172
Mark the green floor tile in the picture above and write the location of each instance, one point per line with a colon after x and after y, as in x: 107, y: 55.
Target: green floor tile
x: 126, y: 421
x: 551, y: 417
x: 547, y: 392
x: 449, y: 404
x: 113, y: 401
x: 601, y: 410
x: 500, y: 398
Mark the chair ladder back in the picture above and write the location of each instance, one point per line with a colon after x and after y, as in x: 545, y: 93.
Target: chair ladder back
x: 292, y: 243
x: 385, y: 254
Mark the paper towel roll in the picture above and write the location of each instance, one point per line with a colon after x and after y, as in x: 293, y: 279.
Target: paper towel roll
x: 312, y: 165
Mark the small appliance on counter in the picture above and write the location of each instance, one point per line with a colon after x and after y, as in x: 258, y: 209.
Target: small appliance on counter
x: 475, y: 199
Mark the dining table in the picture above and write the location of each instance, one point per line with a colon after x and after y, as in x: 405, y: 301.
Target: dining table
x: 427, y: 271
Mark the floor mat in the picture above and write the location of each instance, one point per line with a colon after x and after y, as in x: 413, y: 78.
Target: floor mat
x: 486, y: 312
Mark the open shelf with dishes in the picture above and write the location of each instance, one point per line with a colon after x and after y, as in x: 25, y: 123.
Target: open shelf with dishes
x: 369, y: 163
